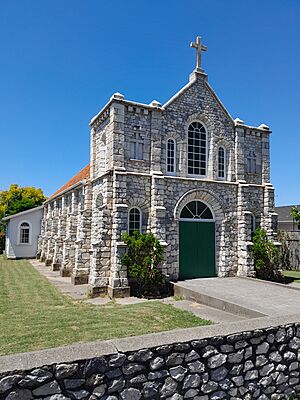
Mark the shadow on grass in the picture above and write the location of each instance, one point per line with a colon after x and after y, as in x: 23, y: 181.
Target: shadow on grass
x: 290, y: 279
x: 291, y: 276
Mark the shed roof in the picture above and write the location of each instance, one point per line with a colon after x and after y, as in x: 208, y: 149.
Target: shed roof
x: 22, y: 213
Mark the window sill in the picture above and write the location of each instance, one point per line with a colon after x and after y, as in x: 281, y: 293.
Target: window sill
x: 171, y: 174
x: 196, y: 176
x: 136, y: 160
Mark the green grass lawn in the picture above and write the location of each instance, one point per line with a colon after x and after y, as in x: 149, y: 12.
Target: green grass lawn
x: 34, y: 315
x: 291, y: 276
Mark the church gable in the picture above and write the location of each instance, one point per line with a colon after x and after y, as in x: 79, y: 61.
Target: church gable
x: 198, y: 101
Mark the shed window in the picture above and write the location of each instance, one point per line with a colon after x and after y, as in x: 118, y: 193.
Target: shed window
x: 134, y: 221
x: 24, y: 233
x: 197, y: 149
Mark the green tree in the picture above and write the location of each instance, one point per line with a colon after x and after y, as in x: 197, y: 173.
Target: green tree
x: 143, y: 256
x: 295, y: 213
x: 18, y: 199
x: 266, y: 257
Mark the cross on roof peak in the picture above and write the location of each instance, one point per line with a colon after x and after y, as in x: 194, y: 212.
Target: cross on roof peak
x: 199, y: 48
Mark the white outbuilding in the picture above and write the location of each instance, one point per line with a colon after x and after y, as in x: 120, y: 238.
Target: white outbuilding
x: 23, y: 230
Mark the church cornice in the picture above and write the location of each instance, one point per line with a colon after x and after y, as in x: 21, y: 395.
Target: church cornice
x: 118, y: 98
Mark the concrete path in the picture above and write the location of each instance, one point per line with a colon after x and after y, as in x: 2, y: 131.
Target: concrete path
x: 79, y: 292
x: 247, y: 297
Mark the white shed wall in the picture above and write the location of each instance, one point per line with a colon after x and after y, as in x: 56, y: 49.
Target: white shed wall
x: 15, y: 250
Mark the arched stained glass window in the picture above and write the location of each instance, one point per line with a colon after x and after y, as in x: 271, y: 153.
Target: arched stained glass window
x: 196, y: 210
x: 24, y: 233
x: 197, y: 149
x: 134, y: 220
x: 221, y: 163
x: 171, y: 156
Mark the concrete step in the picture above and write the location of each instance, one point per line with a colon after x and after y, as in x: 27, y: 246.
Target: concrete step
x: 182, y: 289
x: 205, y: 312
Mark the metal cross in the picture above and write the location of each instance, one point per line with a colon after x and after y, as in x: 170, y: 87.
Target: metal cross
x: 199, y: 48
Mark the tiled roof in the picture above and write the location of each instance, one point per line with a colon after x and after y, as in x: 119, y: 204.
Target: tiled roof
x: 83, y: 174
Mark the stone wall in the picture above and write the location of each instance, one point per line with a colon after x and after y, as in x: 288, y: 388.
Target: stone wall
x: 204, y: 363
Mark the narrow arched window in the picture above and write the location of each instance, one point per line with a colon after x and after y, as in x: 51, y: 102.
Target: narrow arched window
x: 251, y: 163
x: 197, y: 149
x: 99, y: 200
x: 253, y: 224
x: 102, y: 153
x: 134, y: 220
x: 171, y: 156
x: 24, y: 233
x: 221, y: 163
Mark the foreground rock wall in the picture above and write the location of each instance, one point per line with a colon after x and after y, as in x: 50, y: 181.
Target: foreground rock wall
x: 256, y: 364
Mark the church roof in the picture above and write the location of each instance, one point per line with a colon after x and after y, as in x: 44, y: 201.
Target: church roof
x: 83, y: 174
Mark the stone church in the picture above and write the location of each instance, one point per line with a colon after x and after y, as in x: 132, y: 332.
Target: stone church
x: 184, y: 170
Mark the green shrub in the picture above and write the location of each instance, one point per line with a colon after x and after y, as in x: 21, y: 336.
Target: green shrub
x: 144, y: 254
x: 266, y: 257
x: 295, y: 213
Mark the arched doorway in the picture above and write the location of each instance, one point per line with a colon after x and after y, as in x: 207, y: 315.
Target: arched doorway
x: 196, y: 241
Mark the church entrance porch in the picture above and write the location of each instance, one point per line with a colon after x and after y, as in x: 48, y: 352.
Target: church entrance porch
x: 197, y: 256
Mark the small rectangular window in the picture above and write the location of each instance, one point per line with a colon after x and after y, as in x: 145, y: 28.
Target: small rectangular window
x: 137, y: 148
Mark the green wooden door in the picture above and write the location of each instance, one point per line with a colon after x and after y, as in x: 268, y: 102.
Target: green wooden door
x: 196, y: 249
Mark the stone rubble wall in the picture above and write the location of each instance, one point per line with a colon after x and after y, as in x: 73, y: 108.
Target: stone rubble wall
x: 65, y: 238
x: 262, y: 363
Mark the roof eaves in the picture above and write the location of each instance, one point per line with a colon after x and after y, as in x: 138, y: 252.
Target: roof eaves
x: 82, y: 182
x: 220, y: 102
x: 254, y: 128
x: 22, y: 213
x: 180, y: 92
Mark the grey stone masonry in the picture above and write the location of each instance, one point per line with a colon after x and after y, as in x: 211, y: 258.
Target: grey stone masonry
x: 83, y: 225
x: 259, y: 364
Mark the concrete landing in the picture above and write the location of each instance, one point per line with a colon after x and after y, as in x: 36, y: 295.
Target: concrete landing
x: 249, y: 298
x: 205, y: 312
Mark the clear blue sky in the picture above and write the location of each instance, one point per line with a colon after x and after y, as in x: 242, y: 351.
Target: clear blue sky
x: 60, y: 61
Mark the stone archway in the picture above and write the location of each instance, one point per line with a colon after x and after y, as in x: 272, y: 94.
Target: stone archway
x: 200, y: 217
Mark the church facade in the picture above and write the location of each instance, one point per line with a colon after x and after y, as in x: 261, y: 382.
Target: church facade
x: 185, y: 170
